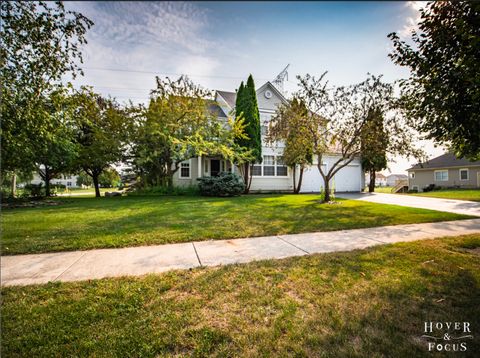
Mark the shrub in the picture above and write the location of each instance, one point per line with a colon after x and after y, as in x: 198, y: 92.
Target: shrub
x: 225, y: 184
x: 34, y: 190
x: 162, y: 190
x: 428, y: 188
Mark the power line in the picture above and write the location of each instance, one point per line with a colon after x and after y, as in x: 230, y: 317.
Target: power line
x: 170, y: 74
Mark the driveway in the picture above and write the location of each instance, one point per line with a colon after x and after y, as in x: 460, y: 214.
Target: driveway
x: 448, y: 205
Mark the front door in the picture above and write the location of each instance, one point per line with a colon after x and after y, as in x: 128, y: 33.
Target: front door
x: 214, y: 167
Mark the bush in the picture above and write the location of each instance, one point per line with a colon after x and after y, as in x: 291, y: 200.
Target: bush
x: 428, y: 188
x: 225, y: 184
x: 162, y: 190
x: 34, y: 190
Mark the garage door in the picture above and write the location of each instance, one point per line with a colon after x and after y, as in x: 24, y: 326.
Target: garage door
x: 347, y: 179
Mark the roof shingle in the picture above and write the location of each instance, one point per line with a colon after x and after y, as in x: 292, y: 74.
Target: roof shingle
x: 446, y: 160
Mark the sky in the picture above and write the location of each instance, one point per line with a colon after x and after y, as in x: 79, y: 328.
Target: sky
x: 218, y: 44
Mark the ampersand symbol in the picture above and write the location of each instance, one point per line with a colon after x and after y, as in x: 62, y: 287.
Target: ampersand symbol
x: 446, y: 337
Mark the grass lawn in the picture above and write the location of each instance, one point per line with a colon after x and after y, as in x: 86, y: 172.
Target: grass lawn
x: 382, y: 189
x: 459, y: 194
x: 365, y: 303
x: 86, y: 223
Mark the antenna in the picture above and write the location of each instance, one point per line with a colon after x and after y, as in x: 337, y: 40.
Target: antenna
x: 279, y: 80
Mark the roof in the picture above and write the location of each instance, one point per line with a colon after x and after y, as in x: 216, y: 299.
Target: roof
x: 380, y: 176
x: 229, y: 97
x: 446, y: 160
x: 401, y: 176
x: 215, y: 109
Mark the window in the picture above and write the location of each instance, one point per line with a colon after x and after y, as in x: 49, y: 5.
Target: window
x: 268, y: 165
x: 264, y: 130
x: 463, y: 174
x: 69, y: 183
x: 185, y: 170
x: 271, y: 166
x: 412, y: 175
x: 282, y: 170
x: 440, y: 175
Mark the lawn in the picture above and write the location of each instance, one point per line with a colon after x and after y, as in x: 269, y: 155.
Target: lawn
x: 382, y: 189
x: 86, y: 223
x: 459, y: 194
x: 362, y: 303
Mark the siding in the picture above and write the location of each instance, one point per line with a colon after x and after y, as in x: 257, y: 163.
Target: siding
x: 426, y: 177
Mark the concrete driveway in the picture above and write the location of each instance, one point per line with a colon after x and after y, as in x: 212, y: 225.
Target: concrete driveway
x: 448, y: 205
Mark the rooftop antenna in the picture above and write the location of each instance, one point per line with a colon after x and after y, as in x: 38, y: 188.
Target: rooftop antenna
x: 280, y: 79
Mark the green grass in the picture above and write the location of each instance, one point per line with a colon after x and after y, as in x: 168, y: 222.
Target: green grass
x: 458, y: 194
x: 86, y: 223
x: 382, y: 189
x: 365, y: 303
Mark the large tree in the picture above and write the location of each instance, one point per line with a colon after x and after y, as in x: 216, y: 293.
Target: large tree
x: 246, y: 109
x: 289, y: 125
x: 178, y: 125
x: 442, y: 95
x: 40, y: 44
x: 374, y: 142
x: 102, y: 133
x: 338, y: 118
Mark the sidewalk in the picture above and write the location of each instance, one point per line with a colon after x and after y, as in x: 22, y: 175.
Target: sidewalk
x: 135, y: 261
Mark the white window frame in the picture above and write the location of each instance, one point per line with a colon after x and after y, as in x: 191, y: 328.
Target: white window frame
x: 460, y: 174
x: 412, y: 175
x: 440, y: 171
x: 189, y: 162
x: 275, y: 175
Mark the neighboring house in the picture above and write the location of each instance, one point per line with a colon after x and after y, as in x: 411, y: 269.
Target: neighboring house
x: 445, y: 171
x: 394, y: 179
x: 380, y: 179
x: 70, y: 181
x: 272, y: 174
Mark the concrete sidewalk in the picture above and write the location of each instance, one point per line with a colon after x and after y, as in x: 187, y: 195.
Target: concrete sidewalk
x: 134, y: 261
x: 448, y: 205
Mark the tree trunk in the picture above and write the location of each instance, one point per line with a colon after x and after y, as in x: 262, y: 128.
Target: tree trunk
x: 327, y: 190
x: 299, y: 185
x: 14, y: 185
x: 246, y: 178
x: 47, y: 182
x: 371, y: 185
x: 95, y: 184
x: 294, y: 180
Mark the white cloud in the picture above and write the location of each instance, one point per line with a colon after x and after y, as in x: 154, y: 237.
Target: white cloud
x: 413, y: 8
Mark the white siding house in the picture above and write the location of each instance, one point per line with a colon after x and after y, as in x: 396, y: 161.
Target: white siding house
x: 271, y: 174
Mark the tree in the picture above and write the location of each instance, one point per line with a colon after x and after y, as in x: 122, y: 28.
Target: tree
x: 246, y: 109
x: 40, y: 44
x: 442, y: 95
x: 109, y: 178
x: 289, y: 125
x: 374, y: 142
x: 101, y: 134
x: 84, y: 179
x: 337, y: 120
x: 177, y: 125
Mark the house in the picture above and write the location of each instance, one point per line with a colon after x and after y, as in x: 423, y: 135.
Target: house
x: 394, y: 179
x: 380, y: 179
x: 69, y: 180
x: 445, y: 171
x: 272, y: 174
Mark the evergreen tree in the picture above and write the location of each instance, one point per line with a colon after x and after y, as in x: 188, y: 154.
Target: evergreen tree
x: 374, y: 143
x: 246, y: 108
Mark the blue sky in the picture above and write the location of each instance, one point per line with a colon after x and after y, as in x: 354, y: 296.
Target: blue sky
x: 219, y: 43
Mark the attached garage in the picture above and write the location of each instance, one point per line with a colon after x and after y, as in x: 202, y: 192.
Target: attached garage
x: 347, y: 179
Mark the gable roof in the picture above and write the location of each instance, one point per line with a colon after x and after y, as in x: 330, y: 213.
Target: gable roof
x: 380, y: 176
x: 229, y: 97
x: 446, y: 160
x: 215, y: 109
x: 275, y: 89
x: 401, y: 176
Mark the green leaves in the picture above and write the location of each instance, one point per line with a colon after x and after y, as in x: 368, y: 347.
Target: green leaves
x: 442, y: 95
